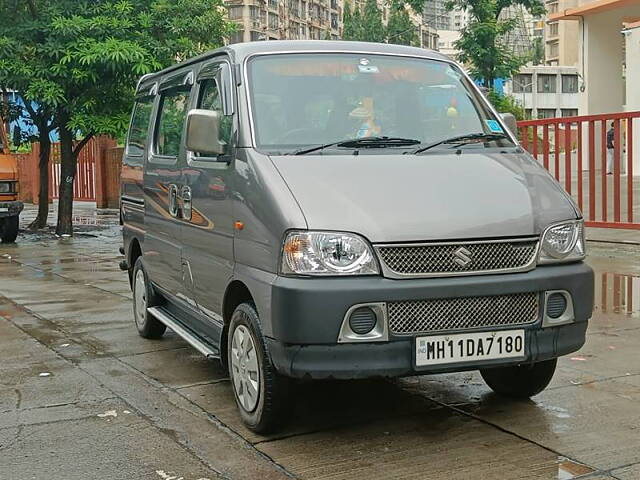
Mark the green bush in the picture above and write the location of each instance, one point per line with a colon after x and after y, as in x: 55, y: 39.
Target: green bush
x: 506, y: 104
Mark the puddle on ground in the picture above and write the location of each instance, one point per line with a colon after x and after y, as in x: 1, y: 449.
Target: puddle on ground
x: 568, y: 469
x: 618, y: 293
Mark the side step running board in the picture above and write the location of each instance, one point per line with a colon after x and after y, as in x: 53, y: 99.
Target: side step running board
x: 192, y: 339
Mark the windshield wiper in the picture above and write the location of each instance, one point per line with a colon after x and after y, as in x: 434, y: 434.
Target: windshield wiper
x: 463, y: 140
x: 367, y: 142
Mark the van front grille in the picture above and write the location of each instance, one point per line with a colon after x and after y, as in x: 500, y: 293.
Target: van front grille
x: 442, y: 259
x: 463, y: 313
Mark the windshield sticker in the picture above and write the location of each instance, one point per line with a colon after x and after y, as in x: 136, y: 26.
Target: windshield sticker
x: 494, y: 126
x: 368, y: 69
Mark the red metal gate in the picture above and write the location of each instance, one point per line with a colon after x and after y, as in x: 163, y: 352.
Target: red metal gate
x: 574, y: 150
x: 84, y: 184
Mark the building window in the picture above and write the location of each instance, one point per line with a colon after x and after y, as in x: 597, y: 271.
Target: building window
x: 546, y: 83
x: 569, y: 112
x: 552, y: 7
x: 528, y: 113
x: 255, y: 36
x: 235, y: 12
x: 553, y: 29
x: 522, y: 83
x: 273, y: 4
x: 273, y: 21
x: 334, y: 21
x: 569, y: 84
x: 236, y: 37
x: 546, y: 112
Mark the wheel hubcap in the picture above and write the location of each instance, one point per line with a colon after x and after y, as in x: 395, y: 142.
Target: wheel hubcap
x: 244, y: 368
x: 140, y: 298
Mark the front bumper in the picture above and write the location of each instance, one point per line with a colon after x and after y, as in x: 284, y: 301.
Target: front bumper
x: 306, y: 316
x: 10, y: 208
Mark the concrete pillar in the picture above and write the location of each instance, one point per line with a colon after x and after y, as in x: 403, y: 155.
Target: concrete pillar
x: 601, y: 58
x: 632, y: 48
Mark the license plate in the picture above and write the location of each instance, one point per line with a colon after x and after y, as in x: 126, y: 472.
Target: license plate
x: 466, y: 347
x: 4, y: 209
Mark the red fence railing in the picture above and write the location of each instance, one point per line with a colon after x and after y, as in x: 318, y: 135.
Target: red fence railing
x: 574, y: 150
x: 84, y: 184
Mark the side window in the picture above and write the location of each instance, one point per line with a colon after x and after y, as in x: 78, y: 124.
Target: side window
x: 211, y: 99
x: 137, y: 140
x: 173, y: 111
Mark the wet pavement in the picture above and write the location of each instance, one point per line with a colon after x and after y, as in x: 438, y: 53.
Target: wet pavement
x: 83, y: 396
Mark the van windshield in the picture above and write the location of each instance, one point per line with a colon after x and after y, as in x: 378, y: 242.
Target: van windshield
x: 303, y: 100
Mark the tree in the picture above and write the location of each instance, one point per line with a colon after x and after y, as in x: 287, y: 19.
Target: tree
x: 400, y: 28
x: 80, y: 60
x: 367, y: 26
x: 372, y: 27
x: 481, y: 44
x: 537, y: 51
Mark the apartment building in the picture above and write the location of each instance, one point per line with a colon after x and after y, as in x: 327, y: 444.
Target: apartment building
x: 561, y: 38
x: 436, y: 15
x: 285, y: 19
x: 304, y: 19
x: 546, y: 91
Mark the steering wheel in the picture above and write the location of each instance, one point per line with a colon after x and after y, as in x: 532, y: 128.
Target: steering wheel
x: 297, y: 134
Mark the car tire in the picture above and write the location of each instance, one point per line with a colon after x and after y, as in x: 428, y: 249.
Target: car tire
x: 521, y: 381
x: 143, y: 297
x: 9, y: 229
x: 262, y: 395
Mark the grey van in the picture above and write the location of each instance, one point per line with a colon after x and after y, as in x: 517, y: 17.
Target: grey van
x: 338, y: 210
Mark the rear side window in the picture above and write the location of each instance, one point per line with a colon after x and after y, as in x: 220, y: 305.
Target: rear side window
x: 173, y: 111
x: 140, y: 120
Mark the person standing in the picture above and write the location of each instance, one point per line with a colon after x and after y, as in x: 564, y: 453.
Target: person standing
x: 611, y: 150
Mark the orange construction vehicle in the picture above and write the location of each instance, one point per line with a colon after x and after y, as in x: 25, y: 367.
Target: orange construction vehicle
x: 10, y: 207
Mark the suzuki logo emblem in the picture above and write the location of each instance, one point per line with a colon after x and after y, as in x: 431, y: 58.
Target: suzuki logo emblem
x: 463, y: 257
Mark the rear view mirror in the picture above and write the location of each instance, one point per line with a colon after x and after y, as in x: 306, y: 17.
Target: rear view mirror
x: 203, y: 132
x: 511, y: 122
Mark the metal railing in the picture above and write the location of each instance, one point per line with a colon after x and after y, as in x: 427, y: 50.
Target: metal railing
x: 574, y: 150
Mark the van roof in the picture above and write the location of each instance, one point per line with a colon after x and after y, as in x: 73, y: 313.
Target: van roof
x: 239, y: 51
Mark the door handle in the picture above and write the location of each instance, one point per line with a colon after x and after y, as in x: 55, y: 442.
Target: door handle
x: 173, y: 200
x: 186, y: 202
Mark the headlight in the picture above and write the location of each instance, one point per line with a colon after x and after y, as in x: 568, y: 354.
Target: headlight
x: 563, y: 242
x: 6, y: 187
x: 327, y: 253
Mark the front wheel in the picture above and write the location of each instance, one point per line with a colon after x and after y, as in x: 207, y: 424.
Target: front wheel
x: 9, y: 229
x: 521, y: 381
x: 144, y: 297
x: 260, y: 392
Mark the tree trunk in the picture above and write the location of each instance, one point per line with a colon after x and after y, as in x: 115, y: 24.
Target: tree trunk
x: 68, y: 162
x: 43, y: 194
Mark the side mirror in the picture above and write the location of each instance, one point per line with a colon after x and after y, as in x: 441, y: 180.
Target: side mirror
x: 203, y: 132
x: 511, y: 122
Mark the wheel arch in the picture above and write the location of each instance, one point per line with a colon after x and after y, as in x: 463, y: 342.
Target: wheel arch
x: 237, y: 292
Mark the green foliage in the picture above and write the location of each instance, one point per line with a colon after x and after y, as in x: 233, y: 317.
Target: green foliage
x: 84, y: 58
x: 537, y: 51
x: 504, y: 103
x: 367, y: 26
x: 400, y: 28
x: 372, y: 27
x: 481, y: 44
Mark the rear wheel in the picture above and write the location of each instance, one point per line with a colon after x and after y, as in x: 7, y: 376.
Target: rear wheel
x: 9, y: 229
x: 260, y: 392
x: 521, y: 381
x: 144, y: 297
